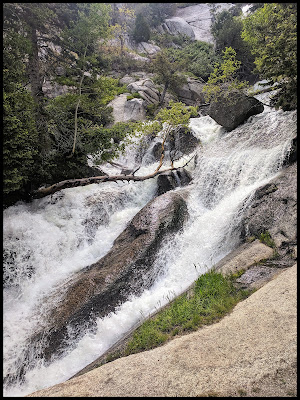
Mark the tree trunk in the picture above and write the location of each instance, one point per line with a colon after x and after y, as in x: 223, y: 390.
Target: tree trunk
x: 42, y: 192
x: 164, y: 93
x: 77, y: 106
x: 36, y: 87
x: 36, y: 81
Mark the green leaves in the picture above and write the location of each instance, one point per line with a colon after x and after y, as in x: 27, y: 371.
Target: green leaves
x: 196, y: 57
x: 224, y: 73
x: 271, y: 31
x: 19, y: 141
x: 176, y: 114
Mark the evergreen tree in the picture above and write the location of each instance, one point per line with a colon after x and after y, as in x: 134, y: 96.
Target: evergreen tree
x: 166, y: 70
x: 224, y: 77
x: 160, y: 11
x: 141, y: 31
x: 20, y: 136
x: 227, y: 30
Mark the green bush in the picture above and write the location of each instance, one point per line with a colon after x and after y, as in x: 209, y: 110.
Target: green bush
x: 197, y: 57
x: 134, y: 95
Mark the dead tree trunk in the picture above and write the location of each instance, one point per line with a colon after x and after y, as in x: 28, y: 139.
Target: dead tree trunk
x: 69, y: 183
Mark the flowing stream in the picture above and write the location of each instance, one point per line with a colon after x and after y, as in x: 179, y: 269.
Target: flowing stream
x: 46, y: 241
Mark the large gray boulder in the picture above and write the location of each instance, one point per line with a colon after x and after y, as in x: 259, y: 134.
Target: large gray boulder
x: 149, y: 48
x: 191, y: 92
x: 146, y: 89
x: 185, y: 141
x: 127, y: 110
x: 134, y: 110
x: 234, y: 108
x: 97, y: 290
x: 180, y: 143
x: 178, y: 26
x: 200, y: 18
x: 172, y: 179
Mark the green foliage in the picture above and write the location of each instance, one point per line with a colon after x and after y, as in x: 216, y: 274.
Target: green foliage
x: 20, y: 136
x: 224, y: 73
x: 166, y: 70
x: 266, y: 238
x: 134, y: 95
x: 227, y: 30
x: 271, y: 32
x: 176, y: 114
x: 20, y: 139
x: 83, y: 34
x: 152, y: 109
x: 107, y: 143
x: 141, y: 31
x: 196, y: 57
x: 166, y: 40
x: 214, y: 296
x: 93, y: 114
x: 158, y: 12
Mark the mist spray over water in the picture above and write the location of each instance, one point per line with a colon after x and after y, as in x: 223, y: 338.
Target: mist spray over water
x: 47, y: 241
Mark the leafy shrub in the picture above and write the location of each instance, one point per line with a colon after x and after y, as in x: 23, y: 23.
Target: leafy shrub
x: 197, y: 57
x: 265, y: 238
x: 134, y: 95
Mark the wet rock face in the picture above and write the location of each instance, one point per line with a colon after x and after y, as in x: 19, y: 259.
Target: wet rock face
x: 274, y: 209
x: 127, y: 268
x: 232, y: 110
x: 185, y: 141
x: 172, y: 179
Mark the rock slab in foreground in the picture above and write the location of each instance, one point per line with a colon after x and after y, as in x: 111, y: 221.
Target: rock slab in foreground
x: 252, y: 351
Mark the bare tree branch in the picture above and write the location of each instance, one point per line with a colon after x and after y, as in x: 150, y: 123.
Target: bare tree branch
x: 69, y: 183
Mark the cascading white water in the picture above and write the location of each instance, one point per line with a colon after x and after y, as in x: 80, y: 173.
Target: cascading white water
x: 46, y: 241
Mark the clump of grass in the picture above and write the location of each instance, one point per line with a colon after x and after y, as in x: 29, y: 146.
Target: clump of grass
x: 214, y: 296
x: 265, y: 238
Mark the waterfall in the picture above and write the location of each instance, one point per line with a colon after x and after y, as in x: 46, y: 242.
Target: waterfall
x: 48, y: 240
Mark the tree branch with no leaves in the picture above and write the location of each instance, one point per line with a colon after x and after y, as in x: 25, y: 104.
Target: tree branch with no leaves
x: 69, y: 183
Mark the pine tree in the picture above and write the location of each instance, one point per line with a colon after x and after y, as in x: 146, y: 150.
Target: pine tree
x: 141, y: 31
